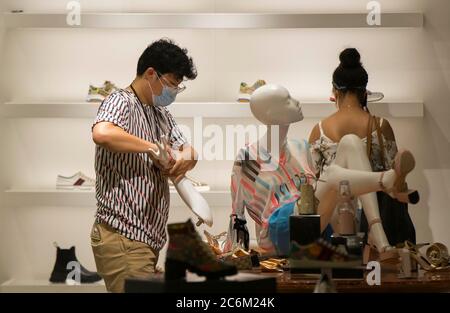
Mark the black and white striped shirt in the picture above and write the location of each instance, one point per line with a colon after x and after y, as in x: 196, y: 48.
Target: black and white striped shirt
x: 132, y: 194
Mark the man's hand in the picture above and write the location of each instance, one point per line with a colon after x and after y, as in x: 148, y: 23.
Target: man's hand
x: 180, y: 168
x: 184, y: 160
x: 156, y: 157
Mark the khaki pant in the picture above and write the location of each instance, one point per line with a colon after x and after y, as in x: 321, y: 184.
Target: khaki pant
x: 118, y: 257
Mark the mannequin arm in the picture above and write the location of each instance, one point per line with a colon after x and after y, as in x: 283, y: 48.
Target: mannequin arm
x: 193, y: 199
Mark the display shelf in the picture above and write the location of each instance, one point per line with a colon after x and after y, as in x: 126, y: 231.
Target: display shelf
x: 53, y: 196
x: 311, y: 109
x: 44, y: 286
x: 210, y: 20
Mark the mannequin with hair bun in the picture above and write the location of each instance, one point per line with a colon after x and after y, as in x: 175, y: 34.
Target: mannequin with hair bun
x: 350, y: 77
x: 349, y: 83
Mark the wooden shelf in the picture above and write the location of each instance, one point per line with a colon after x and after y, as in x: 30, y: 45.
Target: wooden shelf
x: 76, y: 198
x: 39, y: 286
x: 210, y: 20
x: 311, y: 109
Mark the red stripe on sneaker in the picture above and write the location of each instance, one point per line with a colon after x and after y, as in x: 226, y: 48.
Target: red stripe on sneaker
x: 79, y: 182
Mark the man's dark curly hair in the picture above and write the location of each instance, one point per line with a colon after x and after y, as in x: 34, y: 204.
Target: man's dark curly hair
x: 166, y: 57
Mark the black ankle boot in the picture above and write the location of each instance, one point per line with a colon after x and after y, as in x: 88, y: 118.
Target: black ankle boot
x: 60, y: 271
x: 187, y: 251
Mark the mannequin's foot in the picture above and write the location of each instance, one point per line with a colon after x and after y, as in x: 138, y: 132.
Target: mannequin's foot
x: 378, y: 248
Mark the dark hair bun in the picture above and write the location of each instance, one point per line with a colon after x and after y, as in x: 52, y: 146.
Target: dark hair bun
x: 350, y: 58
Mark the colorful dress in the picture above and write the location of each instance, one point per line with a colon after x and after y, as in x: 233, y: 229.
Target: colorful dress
x: 261, y: 183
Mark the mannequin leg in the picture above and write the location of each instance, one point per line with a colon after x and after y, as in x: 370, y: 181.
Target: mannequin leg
x: 351, y: 156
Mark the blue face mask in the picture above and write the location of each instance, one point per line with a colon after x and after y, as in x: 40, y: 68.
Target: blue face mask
x: 166, y: 97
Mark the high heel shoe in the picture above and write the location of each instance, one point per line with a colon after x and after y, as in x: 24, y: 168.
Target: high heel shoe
x: 387, y: 254
x: 187, y: 251
x: 404, y: 163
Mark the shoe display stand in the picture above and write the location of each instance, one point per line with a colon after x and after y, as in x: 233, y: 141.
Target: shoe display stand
x: 211, y: 20
x: 80, y: 197
x: 390, y: 282
x: 310, y: 109
x: 349, y: 270
x: 44, y: 286
x: 240, y: 283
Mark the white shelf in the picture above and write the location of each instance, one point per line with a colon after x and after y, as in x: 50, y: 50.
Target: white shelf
x: 44, y: 286
x: 53, y: 196
x: 311, y: 109
x: 210, y: 20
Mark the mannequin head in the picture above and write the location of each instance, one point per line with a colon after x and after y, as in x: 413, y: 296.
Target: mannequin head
x: 272, y: 105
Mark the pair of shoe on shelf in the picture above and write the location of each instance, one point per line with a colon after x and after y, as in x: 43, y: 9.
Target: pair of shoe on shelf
x: 98, y: 94
x: 77, y: 181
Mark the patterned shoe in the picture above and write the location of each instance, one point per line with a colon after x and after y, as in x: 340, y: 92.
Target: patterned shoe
x: 213, y: 241
x: 242, y: 259
x: 76, y: 181
x: 98, y: 94
x: 245, y: 91
x: 187, y: 251
x: 320, y: 250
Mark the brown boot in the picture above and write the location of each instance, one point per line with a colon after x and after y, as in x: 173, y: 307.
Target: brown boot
x: 187, y: 251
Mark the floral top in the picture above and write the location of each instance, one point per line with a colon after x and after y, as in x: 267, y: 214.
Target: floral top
x: 323, y: 152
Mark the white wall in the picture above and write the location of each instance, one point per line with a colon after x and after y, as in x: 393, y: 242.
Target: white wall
x: 406, y: 64
x: 3, y: 263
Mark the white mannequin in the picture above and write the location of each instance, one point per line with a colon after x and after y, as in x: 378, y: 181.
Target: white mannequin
x: 272, y: 105
x: 193, y: 199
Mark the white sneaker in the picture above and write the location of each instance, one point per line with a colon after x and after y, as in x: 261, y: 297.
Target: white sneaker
x: 374, y: 96
x: 201, y: 187
x: 76, y: 181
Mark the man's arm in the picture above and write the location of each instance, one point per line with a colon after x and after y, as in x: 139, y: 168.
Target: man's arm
x: 114, y: 138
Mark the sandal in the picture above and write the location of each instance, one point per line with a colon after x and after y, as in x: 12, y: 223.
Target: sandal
x: 403, y: 164
x: 436, y: 258
x: 386, y: 254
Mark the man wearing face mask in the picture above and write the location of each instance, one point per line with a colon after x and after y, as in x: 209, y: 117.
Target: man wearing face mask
x: 132, y: 189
